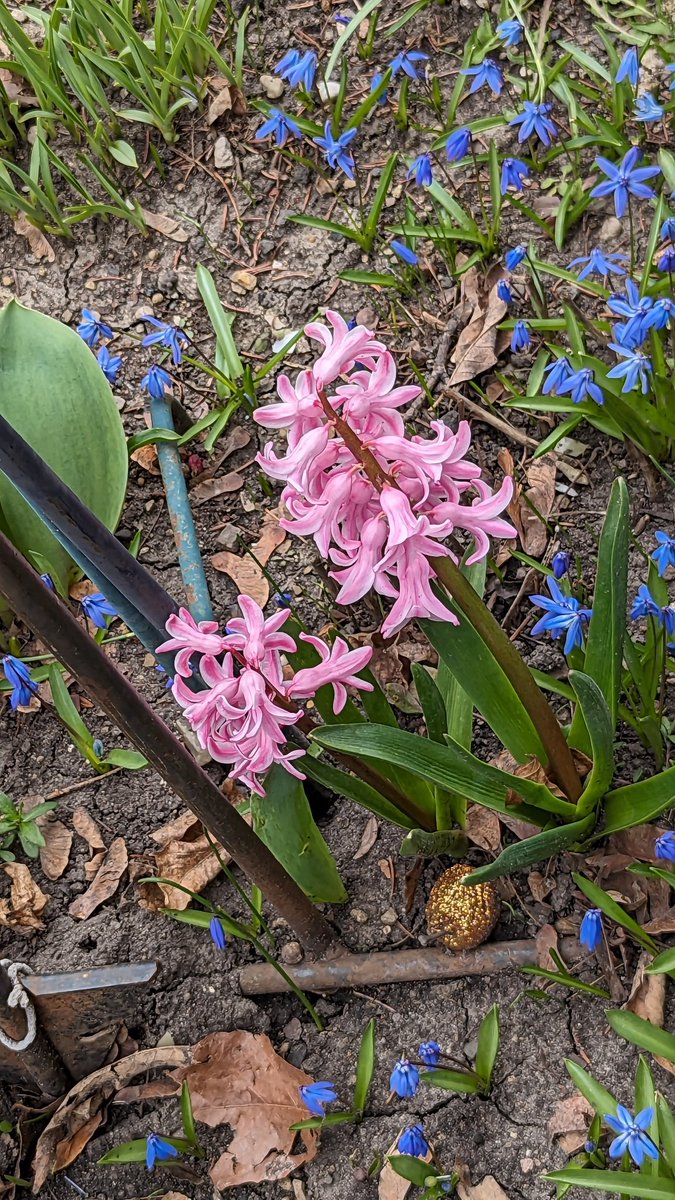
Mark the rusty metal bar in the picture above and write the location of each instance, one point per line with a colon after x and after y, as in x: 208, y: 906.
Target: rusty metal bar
x: 395, y: 966
x: 70, y: 643
x: 38, y: 1066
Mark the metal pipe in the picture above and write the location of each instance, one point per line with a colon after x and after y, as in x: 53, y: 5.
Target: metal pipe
x: 391, y: 966
x: 180, y: 514
x: 70, y: 643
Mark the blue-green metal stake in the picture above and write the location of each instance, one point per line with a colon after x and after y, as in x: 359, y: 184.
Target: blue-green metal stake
x: 180, y: 513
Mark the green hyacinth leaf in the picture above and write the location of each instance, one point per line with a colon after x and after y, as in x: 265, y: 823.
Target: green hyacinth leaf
x: 55, y: 395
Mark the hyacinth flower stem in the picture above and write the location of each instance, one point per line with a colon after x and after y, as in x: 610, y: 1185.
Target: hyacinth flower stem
x: 560, y: 760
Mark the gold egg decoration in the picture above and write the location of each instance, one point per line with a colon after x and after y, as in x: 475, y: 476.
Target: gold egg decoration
x: 462, y: 917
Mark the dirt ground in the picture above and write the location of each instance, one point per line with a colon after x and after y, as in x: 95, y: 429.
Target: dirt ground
x: 236, y: 220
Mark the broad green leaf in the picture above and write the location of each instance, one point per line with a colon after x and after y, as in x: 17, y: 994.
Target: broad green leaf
x: 283, y: 821
x: 449, y: 766
x: 600, y: 731
x: 420, y: 843
x: 54, y: 394
x: 227, y: 355
x: 186, y: 1114
x: 433, y: 706
x: 488, y: 1045
x: 379, y: 198
x: 481, y: 677
x: 330, y: 1119
x: 664, y: 963
x: 451, y: 1081
x: 600, y: 899
x: 124, y: 153
x: 414, y: 1169
x: 666, y: 1124
x: 65, y: 706
x: 136, y: 1151
x: 607, y: 629
x: 623, y: 1183
x: 642, y: 1033
x: 638, y: 803
x: 598, y: 1096
x: 133, y: 760
x: 365, y: 1066
x: 374, y: 278
x: 565, y: 980
x: 531, y: 850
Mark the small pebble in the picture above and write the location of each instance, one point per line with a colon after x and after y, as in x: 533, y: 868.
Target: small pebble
x: 358, y: 915
x: 389, y: 917
x: 157, y: 297
x: 222, y: 154
x: 245, y: 279
x: 328, y: 91
x: 228, y: 537
x: 610, y: 230
x: 526, y: 1165
x: 7, y: 281
x: 291, y: 953
x: 272, y: 86
x: 90, y: 285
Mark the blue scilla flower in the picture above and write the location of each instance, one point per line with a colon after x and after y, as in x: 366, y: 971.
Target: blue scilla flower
x: 668, y: 230
x: 404, y: 1079
x: 514, y: 171
x: 560, y: 563
x: 598, y: 263
x: 167, y: 335
x: 666, y: 262
x: 625, y: 179
x: 406, y: 62
x: 304, y: 71
x: 158, y: 1150
x: 290, y: 60
x: 632, y: 1134
x: 664, y: 555
x: 412, y: 1141
x: 91, y: 330
x: 510, y: 33
x: 97, y: 608
x: 421, y: 171
x: 49, y: 582
x: 514, y: 257
x: 285, y: 599
x: 377, y: 80
x: 488, y: 72
x: 156, y: 382
x: 644, y: 605
x: 430, y: 1053
x: 664, y: 846
x: 647, y: 108
x: 557, y: 372
x: 635, y: 369
x: 18, y: 676
x: 562, y: 615
x: 590, y: 934
x: 520, y: 338
x: 580, y: 386
x: 534, y: 119
x: 662, y: 313
x: 629, y: 67
x: 315, y: 1096
x: 639, y: 314
x: 279, y: 126
x: 217, y: 933
x: 504, y: 291
x: 335, y: 149
x: 404, y: 252
x: 458, y: 145
x: 341, y: 19
x: 109, y: 363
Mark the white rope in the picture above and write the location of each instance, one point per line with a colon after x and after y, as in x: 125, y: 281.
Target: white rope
x: 19, y: 998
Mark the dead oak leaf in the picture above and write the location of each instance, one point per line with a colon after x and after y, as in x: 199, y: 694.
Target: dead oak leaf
x: 476, y: 349
x: 483, y: 828
x: 161, y: 223
x: 208, y: 489
x: 185, y: 857
x: 530, y: 508
x: 85, y: 825
x: 228, y: 98
x: 237, y: 1079
x: 55, y: 853
x: 569, y: 1122
x: 104, y: 884
x: 368, y: 838
x: 245, y: 572
x: 36, y: 239
x: 26, y: 900
x: 146, y: 458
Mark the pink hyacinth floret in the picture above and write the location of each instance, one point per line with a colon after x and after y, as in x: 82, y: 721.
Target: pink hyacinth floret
x: 377, y: 537
x: 243, y: 714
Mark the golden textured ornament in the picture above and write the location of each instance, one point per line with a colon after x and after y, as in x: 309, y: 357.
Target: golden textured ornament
x: 463, y: 916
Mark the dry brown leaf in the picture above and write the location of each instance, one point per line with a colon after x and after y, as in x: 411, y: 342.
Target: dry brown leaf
x: 91, y: 867
x: 85, y: 825
x: 77, y: 1114
x: 637, y: 842
x: 244, y: 571
x: 37, y: 241
x: 55, y: 853
x: 570, y: 1121
x: 545, y: 941
x: 14, y: 85
x: 228, y: 98
x: 648, y: 993
x: 483, y: 828
x: 540, y: 886
x: 184, y: 857
x: 146, y: 457
x: 475, y: 351
x: 665, y: 923
x: 237, y: 1079
x: 487, y: 1189
x: 26, y: 900
x: 208, y: 489
x: 528, y: 507
x: 391, y: 1186
x: 368, y: 838
x: 165, y: 225
x: 104, y: 884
